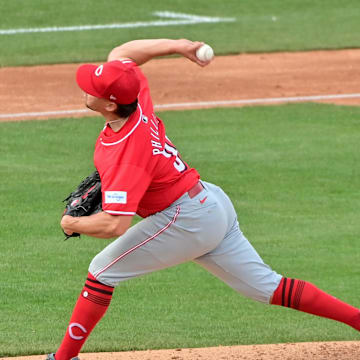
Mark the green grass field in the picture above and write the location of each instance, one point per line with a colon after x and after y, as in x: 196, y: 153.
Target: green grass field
x: 260, y: 26
x: 293, y: 174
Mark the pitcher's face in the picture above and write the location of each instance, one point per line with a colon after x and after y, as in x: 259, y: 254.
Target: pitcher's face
x: 94, y: 103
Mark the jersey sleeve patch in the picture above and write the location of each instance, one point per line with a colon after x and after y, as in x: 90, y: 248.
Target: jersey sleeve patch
x: 115, y: 197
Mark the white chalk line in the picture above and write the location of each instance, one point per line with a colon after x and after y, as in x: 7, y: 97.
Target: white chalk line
x: 192, y: 105
x: 260, y: 101
x: 179, y: 19
x: 44, y: 113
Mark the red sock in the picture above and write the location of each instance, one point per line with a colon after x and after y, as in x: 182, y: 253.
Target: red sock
x: 306, y: 297
x: 90, y: 308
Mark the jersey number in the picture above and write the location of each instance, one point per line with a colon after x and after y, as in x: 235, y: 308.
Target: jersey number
x: 171, y: 151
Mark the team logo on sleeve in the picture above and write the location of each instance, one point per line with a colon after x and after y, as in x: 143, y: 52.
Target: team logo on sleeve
x: 115, y: 197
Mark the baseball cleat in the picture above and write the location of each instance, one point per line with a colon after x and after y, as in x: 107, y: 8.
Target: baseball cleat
x: 52, y: 357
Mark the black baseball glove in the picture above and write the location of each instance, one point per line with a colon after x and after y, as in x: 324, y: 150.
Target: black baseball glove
x: 85, y: 200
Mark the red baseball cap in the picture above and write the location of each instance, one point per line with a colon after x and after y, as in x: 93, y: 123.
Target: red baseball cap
x: 113, y: 80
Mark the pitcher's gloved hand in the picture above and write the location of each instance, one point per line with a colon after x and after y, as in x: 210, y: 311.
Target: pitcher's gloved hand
x: 85, y: 200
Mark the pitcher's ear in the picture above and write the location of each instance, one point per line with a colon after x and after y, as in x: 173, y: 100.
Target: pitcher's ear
x: 111, y: 106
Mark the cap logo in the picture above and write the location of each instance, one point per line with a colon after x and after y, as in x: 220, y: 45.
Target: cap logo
x: 113, y: 80
x: 99, y: 70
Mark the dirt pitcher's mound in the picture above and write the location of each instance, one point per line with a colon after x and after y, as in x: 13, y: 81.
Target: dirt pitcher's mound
x: 347, y: 350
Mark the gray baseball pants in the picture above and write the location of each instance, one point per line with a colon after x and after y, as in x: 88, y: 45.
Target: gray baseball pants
x: 203, y: 229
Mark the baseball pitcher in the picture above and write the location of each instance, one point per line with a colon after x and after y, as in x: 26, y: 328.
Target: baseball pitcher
x: 185, y: 218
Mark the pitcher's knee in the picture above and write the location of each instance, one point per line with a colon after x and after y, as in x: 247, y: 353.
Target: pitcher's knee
x: 263, y: 290
x: 94, y: 266
x: 98, y: 269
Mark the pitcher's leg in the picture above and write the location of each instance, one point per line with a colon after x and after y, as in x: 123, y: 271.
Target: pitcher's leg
x: 137, y: 252
x: 306, y: 297
x: 160, y: 241
x: 237, y: 263
x: 155, y: 243
x: 90, y: 307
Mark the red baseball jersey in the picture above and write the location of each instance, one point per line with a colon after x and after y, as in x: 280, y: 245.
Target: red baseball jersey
x: 141, y: 170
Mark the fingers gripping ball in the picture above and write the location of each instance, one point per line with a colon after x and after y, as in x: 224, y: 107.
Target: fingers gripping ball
x: 85, y: 200
x: 205, y: 53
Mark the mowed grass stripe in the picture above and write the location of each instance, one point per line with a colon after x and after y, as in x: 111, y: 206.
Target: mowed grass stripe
x: 280, y: 26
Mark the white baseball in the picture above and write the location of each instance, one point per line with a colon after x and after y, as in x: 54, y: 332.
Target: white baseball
x: 205, y: 53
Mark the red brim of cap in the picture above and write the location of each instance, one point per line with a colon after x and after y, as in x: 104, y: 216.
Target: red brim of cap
x: 84, y: 76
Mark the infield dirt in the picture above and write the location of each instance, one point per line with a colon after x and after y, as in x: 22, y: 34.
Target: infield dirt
x: 176, y: 80
x: 257, y: 76
x: 349, y: 350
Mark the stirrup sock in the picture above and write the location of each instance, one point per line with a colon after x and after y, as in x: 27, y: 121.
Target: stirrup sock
x: 304, y: 296
x: 91, y: 306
